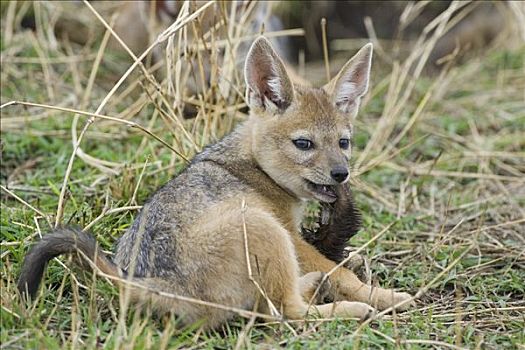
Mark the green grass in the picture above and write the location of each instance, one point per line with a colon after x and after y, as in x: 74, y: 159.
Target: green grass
x: 467, y: 201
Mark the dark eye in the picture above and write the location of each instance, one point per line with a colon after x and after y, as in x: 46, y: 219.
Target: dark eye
x: 303, y: 144
x: 344, y: 143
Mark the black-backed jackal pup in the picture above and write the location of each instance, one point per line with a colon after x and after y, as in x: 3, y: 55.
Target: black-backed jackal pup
x: 189, y: 238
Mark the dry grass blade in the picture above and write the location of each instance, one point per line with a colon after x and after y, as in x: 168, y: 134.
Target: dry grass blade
x: 403, y: 79
x: 419, y: 294
x: 138, y: 61
x: 26, y: 204
x: 101, y: 116
x: 271, y: 306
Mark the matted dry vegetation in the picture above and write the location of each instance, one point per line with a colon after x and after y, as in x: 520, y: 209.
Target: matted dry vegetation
x: 438, y: 169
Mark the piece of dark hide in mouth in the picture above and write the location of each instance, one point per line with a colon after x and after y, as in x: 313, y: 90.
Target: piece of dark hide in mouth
x: 344, y: 221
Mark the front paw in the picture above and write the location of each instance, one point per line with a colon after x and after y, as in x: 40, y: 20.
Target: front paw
x: 354, y: 309
x: 388, y: 298
x: 406, y: 299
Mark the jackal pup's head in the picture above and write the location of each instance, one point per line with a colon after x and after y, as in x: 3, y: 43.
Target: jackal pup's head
x: 301, y: 136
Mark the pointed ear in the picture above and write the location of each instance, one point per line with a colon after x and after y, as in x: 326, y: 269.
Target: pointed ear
x: 351, y: 83
x: 268, y: 86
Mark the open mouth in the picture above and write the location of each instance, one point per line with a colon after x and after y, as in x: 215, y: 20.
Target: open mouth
x: 324, y: 193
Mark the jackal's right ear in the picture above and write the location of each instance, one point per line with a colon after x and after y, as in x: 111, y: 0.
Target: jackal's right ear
x: 268, y: 86
x: 351, y: 83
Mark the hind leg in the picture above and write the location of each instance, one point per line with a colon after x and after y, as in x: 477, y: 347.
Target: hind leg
x: 276, y: 269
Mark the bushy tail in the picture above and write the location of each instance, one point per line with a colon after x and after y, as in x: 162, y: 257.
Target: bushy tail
x: 61, y: 241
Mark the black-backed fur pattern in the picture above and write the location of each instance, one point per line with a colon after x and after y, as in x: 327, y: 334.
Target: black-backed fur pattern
x: 344, y: 221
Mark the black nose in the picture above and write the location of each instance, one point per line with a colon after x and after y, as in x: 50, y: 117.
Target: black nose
x: 339, y: 173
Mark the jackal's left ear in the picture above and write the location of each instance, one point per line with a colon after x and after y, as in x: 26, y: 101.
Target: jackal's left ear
x: 268, y: 86
x: 351, y: 83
